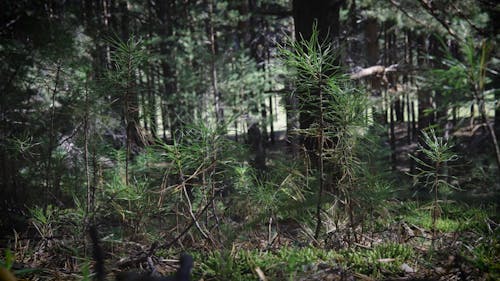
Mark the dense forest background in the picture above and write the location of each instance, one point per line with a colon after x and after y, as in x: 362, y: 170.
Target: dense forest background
x: 272, y: 140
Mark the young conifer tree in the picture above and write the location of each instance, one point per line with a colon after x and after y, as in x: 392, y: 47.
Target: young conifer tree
x: 338, y: 114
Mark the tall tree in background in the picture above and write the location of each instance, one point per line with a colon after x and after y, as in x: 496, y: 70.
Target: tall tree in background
x: 219, y: 112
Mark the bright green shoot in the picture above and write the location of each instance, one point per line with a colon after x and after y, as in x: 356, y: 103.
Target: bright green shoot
x: 436, y: 153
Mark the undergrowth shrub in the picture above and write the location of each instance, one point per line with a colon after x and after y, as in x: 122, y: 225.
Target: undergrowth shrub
x: 336, y: 111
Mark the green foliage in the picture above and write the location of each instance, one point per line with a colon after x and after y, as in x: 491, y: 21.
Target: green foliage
x: 437, y: 149
x: 224, y: 266
x: 7, y: 260
x: 423, y: 218
x: 130, y: 203
x: 439, y: 153
x: 468, y: 217
x: 382, y: 257
x: 199, y: 146
x: 86, y: 274
x: 52, y: 220
x: 243, y: 84
x: 200, y: 159
x: 315, y: 65
x: 462, y: 81
x: 297, y: 261
x: 44, y: 220
x: 454, y: 217
x: 486, y: 255
x: 281, y: 192
x: 66, y: 93
x: 284, y: 264
x: 127, y: 58
x: 436, y: 153
x: 372, y: 198
x: 292, y: 263
x: 337, y: 114
x: 412, y: 15
x: 346, y: 125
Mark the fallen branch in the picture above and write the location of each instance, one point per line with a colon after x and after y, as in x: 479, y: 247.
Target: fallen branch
x: 374, y: 70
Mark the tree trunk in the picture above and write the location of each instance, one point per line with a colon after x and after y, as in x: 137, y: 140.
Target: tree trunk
x: 271, y: 118
x: 219, y: 113
x: 496, y: 85
x: 164, y: 10
x: 408, y: 119
x: 413, y: 122
x: 398, y: 108
x: 257, y: 147
x: 424, y: 99
x: 392, y: 136
x: 371, y: 30
x: 292, y: 123
x: 440, y: 106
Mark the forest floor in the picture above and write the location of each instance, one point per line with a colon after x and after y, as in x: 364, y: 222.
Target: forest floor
x: 399, y: 245
x: 398, y: 241
x: 467, y: 231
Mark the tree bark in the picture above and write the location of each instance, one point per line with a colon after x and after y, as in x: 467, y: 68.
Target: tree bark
x: 164, y: 10
x: 219, y: 113
x: 424, y: 100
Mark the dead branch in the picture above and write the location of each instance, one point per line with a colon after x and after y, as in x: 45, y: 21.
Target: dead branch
x: 374, y: 70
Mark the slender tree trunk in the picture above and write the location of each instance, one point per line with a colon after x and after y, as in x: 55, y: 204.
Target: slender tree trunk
x: 164, y: 11
x: 479, y: 96
x: 163, y: 107
x: 408, y: 119
x: 392, y: 137
x: 496, y: 85
x: 292, y: 123
x: 424, y: 100
x: 493, y: 138
x: 50, y: 148
x: 472, y: 116
x: 413, y: 122
x: 271, y: 118
x: 371, y: 30
x: 143, y: 94
x: 128, y: 129
x: 152, y: 104
x: 219, y: 114
x: 371, y: 40
x: 150, y: 77
x: 441, y: 108
x: 86, y: 132
x: 271, y: 107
